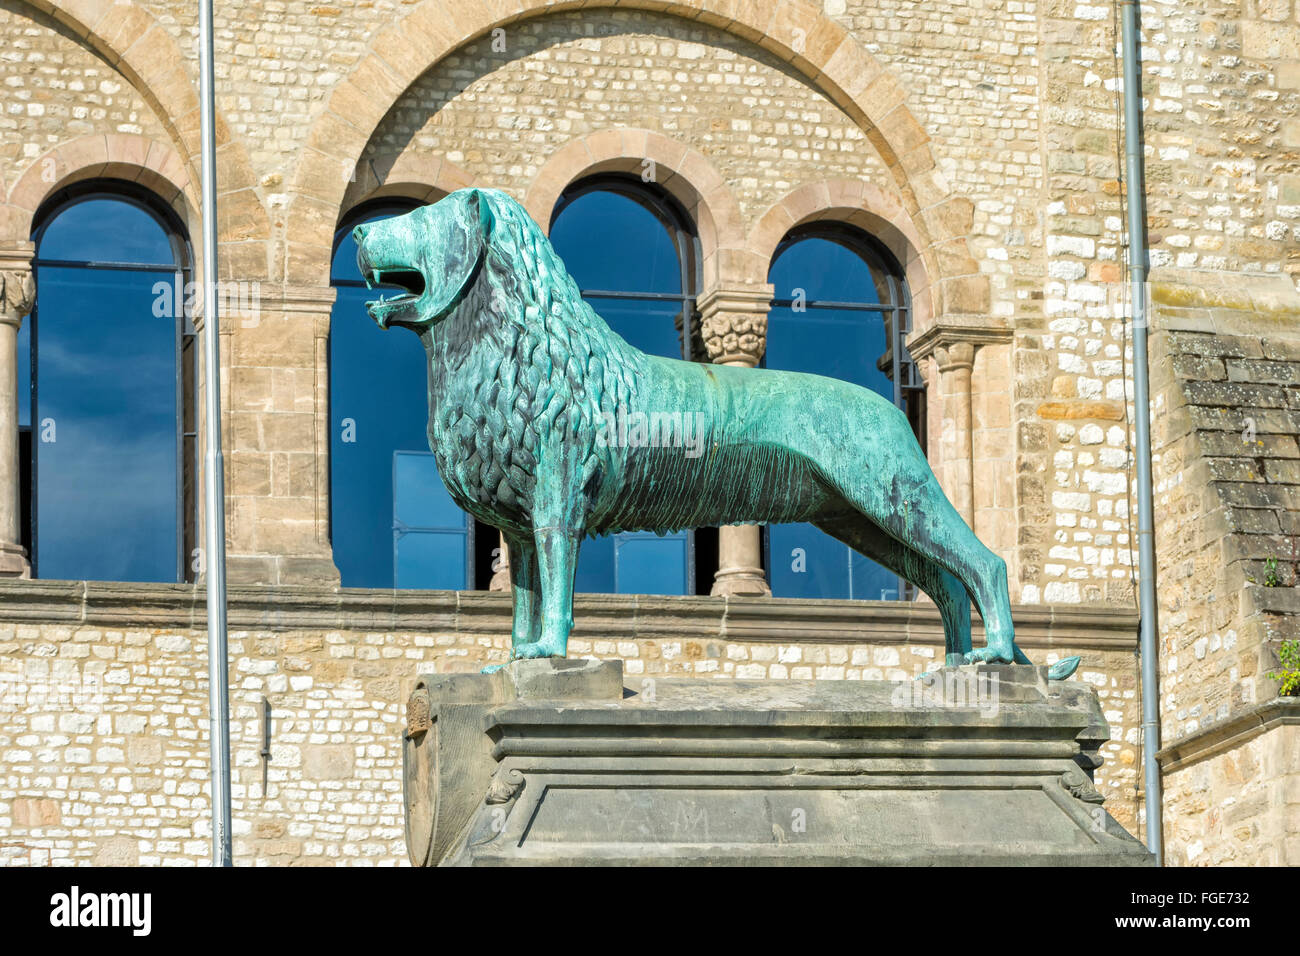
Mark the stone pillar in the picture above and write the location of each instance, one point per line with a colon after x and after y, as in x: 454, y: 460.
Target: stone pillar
x: 954, y: 342
x: 733, y: 324
x: 17, y: 294
x: 501, y: 576
x: 955, y: 362
x: 276, y: 436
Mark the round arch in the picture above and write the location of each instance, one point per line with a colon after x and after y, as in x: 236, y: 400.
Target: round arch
x: 819, y: 48
x: 854, y: 203
x: 154, y: 166
x: 682, y: 172
x: 132, y: 41
x: 410, y: 174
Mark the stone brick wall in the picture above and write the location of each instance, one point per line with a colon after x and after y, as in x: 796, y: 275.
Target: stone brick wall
x: 494, y: 106
x: 1232, y: 798
x: 1226, y: 391
x: 1226, y: 409
x: 55, y: 90
x: 1013, y: 106
x: 103, y: 712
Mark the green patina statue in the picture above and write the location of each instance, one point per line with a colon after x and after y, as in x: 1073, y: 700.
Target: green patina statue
x: 531, y: 393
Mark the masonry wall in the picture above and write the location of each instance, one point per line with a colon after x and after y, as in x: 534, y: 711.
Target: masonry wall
x: 1239, y: 805
x: 103, y: 726
x: 1014, y: 103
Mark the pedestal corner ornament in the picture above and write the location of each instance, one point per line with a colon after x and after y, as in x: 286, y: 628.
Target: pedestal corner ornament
x: 526, y: 383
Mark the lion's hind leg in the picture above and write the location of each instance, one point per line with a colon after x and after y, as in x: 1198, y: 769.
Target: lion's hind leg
x: 904, y: 499
x: 942, y: 586
x: 525, y: 588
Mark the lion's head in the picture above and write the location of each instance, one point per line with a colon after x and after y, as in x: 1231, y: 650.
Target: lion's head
x: 433, y: 253
x: 503, y: 322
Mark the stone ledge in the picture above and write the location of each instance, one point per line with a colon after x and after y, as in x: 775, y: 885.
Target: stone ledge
x: 613, y: 616
x: 1257, y: 599
x: 1230, y: 733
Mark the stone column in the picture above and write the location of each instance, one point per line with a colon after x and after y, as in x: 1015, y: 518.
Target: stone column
x: 501, y: 576
x: 733, y: 324
x: 955, y: 361
x: 276, y: 437
x: 17, y: 294
x: 954, y: 342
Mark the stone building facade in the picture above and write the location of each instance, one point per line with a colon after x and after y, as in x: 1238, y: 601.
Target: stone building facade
x: 977, y: 140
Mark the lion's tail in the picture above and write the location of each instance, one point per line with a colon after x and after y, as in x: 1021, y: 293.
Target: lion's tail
x: 1061, y: 670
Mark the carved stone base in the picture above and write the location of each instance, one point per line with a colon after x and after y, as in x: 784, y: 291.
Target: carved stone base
x: 13, y: 562
x: 740, y: 582
x: 559, y: 762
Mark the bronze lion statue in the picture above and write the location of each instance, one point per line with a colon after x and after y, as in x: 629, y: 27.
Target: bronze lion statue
x: 525, y: 380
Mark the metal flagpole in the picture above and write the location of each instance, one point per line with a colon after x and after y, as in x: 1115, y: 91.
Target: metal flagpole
x: 1137, y: 214
x: 214, y: 497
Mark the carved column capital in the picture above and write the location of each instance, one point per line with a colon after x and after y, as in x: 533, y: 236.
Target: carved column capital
x: 17, y: 293
x: 955, y: 356
x: 17, y: 283
x: 733, y: 323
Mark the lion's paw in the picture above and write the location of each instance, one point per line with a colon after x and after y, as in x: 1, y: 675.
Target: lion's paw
x: 535, y: 651
x: 992, y: 654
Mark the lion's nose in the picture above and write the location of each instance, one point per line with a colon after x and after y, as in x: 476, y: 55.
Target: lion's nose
x: 358, y: 233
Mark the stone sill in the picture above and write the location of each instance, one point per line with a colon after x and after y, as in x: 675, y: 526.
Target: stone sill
x: 1230, y: 733
x: 597, y: 616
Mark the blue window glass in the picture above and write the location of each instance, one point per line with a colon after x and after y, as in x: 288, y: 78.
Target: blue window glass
x: 836, y: 304
x: 382, y: 477
x: 432, y: 545
x: 632, y: 254
x: 112, y: 353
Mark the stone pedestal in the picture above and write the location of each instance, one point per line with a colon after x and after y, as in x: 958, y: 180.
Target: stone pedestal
x: 563, y: 762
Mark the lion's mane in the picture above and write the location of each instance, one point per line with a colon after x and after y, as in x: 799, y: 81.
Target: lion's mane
x: 522, y: 361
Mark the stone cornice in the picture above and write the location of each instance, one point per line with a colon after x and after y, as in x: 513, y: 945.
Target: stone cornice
x: 953, y: 330
x: 317, y: 301
x: 16, y: 254
x: 1230, y: 733
x: 757, y: 299
x: 607, y: 616
x: 309, y: 299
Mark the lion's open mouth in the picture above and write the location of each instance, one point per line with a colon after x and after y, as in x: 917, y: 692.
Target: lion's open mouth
x: 396, y: 309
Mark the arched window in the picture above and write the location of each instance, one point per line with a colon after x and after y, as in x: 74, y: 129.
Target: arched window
x: 109, y: 425
x: 841, y: 310
x: 392, y: 522
x: 634, y: 255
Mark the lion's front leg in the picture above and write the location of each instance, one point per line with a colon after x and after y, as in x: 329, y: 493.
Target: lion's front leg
x: 557, y: 561
x: 558, y: 529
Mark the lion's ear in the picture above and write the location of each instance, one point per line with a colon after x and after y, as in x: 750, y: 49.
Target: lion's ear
x: 479, y: 204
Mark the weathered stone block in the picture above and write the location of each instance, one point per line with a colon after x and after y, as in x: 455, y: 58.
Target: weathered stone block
x: 329, y: 761
x: 36, y: 812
